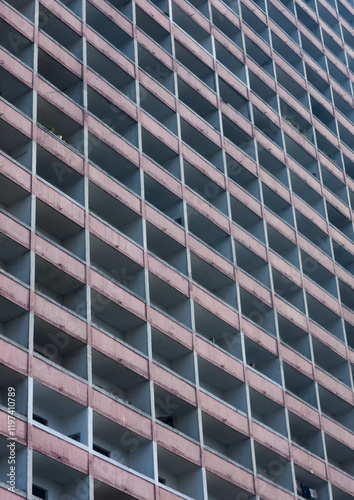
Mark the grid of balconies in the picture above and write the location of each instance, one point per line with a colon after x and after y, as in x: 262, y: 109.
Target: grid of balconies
x: 177, y: 248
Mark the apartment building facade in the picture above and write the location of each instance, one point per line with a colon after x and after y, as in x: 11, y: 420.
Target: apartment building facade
x: 176, y: 249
